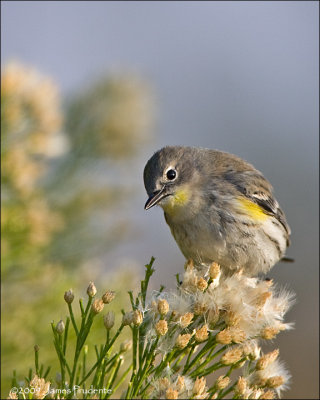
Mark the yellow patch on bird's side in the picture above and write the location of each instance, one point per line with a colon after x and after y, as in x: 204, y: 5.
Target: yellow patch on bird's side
x: 175, y: 202
x: 253, y: 210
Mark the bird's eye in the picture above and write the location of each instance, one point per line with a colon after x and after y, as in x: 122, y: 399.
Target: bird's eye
x: 171, y: 174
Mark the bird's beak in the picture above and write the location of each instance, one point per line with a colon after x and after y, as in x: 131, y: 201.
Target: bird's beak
x: 155, y: 198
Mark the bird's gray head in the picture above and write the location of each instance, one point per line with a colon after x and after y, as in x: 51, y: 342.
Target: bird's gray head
x: 168, y: 174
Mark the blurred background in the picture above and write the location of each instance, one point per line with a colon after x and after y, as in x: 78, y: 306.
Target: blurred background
x: 90, y: 90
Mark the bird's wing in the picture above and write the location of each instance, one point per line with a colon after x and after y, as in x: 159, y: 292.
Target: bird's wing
x: 257, y: 189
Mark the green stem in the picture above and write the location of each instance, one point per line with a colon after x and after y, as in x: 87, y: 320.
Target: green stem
x: 62, y: 369
x: 121, y: 380
x: 209, y: 359
x: 103, y: 353
x: 65, y: 336
x: 114, y: 373
x: 134, y: 347
x: 73, y: 319
x: 36, y: 359
x: 140, y: 377
x: 231, y: 388
x: 201, y: 353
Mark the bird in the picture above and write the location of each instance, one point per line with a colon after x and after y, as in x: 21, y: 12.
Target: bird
x: 219, y: 208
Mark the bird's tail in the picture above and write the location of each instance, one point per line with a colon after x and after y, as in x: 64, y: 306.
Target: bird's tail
x: 287, y: 259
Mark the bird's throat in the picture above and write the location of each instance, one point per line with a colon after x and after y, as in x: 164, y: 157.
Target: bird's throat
x: 175, y: 203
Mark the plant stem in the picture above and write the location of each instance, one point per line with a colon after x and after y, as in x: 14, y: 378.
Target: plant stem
x: 72, y: 319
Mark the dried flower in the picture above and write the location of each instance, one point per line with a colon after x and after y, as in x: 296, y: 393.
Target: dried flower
x: 251, y: 349
x: 190, y: 280
x: 222, y: 382
x: 137, y: 317
x: 171, y: 393
x: 97, y: 306
x: 180, y: 383
x: 41, y: 387
x: 108, y: 320
x: 269, y: 332
x: 231, y: 318
x: 200, y: 308
x: 161, y: 327
x: 164, y: 383
x: 269, y: 394
x: 275, y: 381
x: 163, y: 307
x: 12, y: 395
x: 241, y: 385
x: 69, y: 296
x: 201, y: 334
x: 189, y: 265
x: 185, y: 319
x: 91, y: 290
x: 60, y: 327
x: 237, y: 334
x: 213, y: 316
x: 232, y: 356
x: 125, y: 346
x: 214, y: 271
x: 108, y: 296
x: 224, y: 336
x: 183, y: 340
x: 202, y: 284
x: 199, y: 386
x: 262, y: 299
x: 267, y: 359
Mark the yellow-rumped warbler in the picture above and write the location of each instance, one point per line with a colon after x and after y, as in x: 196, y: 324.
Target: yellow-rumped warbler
x: 218, y: 207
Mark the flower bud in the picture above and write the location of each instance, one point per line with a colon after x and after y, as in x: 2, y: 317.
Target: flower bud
x: 180, y: 383
x: 91, y: 290
x: 199, y: 386
x: 125, y: 346
x: 267, y: 359
x: 163, y: 307
x: 202, y: 284
x: 137, y: 317
x: 185, y: 319
x: 202, y: 334
x: 172, y: 394
x: 232, y: 356
x: 269, y: 332
x: 127, y: 318
x: 214, y: 271
x: 237, y: 334
x: 69, y: 296
x: 161, y: 327
x: 183, y: 340
x: 189, y: 265
x: 213, y: 316
x: 108, y: 296
x: 269, y: 394
x: 224, y: 337
x: 108, y: 320
x: 60, y: 327
x: 97, y: 306
x: 222, y: 382
x: 164, y: 383
x: 200, y: 307
x: 275, y: 381
x: 241, y: 385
